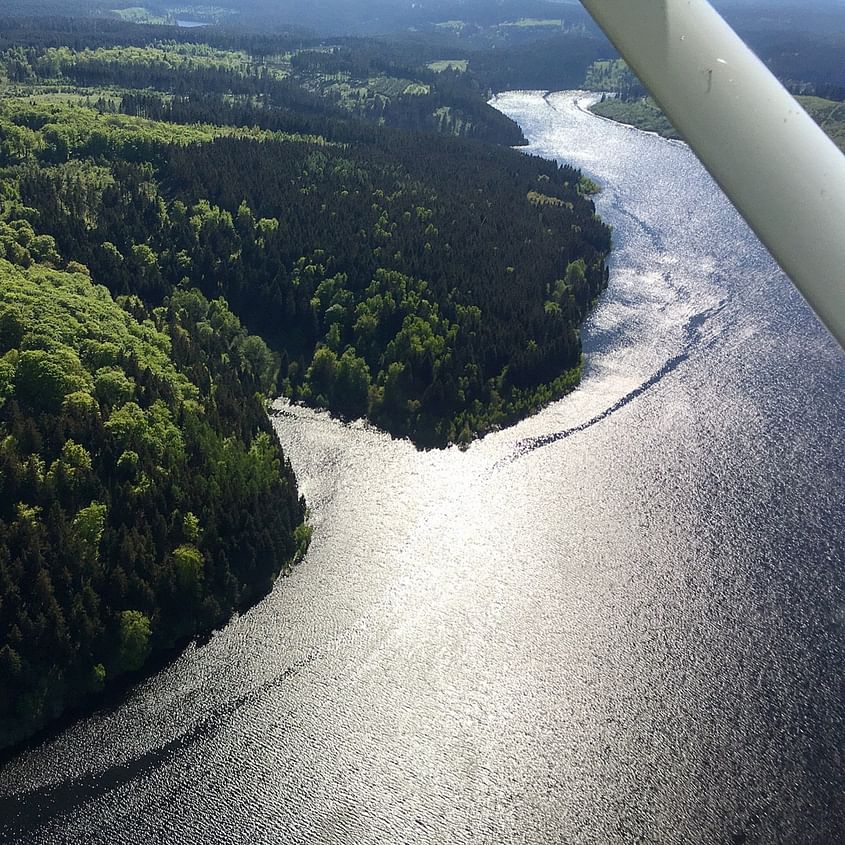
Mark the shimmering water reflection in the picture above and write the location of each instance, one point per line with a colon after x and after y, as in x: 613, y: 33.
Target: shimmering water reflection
x: 619, y: 621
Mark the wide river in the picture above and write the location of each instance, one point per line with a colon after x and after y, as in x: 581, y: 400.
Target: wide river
x: 620, y: 621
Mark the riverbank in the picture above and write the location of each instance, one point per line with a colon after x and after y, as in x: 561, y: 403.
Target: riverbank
x: 645, y: 114
x: 642, y: 114
x: 116, y: 690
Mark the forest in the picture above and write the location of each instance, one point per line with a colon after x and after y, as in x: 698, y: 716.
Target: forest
x: 189, y: 229
x: 143, y: 495
x: 384, y: 84
x: 431, y: 283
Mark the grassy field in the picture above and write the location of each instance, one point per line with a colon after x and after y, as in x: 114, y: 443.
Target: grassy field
x: 830, y: 115
x: 139, y: 14
x: 449, y: 64
x: 70, y: 97
x: 353, y: 94
x: 645, y: 114
x: 204, y: 14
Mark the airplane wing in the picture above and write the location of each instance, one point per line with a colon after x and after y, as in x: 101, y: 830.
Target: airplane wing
x: 780, y: 170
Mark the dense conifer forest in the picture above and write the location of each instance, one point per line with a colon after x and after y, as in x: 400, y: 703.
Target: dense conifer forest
x: 188, y: 229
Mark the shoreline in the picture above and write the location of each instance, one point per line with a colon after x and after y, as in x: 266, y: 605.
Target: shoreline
x: 656, y: 133
x: 118, y: 691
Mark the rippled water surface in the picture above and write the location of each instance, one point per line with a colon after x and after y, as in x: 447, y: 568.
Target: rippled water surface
x: 619, y: 621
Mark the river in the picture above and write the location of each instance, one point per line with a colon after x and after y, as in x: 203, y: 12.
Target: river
x: 622, y: 620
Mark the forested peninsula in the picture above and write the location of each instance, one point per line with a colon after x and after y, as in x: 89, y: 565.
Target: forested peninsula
x: 428, y: 281
x: 190, y: 229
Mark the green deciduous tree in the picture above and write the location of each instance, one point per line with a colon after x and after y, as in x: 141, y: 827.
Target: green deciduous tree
x: 352, y: 385
x: 43, y: 378
x: 88, y: 525
x: 135, y: 632
x: 188, y: 566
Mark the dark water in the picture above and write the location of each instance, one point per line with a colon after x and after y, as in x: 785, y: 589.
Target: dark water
x: 620, y: 621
